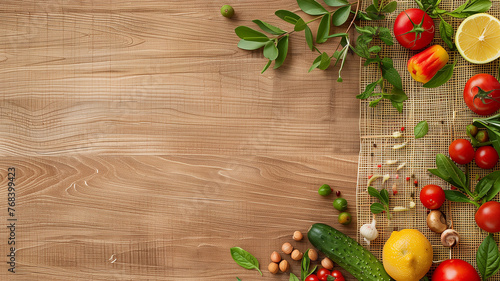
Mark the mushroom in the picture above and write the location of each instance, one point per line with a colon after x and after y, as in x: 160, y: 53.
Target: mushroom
x: 450, y: 238
x: 436, y: 221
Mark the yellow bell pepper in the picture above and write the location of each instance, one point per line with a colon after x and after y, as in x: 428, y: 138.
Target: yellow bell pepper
x: 424, y: 65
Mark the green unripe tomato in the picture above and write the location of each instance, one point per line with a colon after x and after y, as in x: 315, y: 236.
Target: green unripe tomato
x: 472, y: 130
x: 340, y: 204
x: 227, y: 11
x: 345, y: 218
x: 324, y: 190
x: 482, y: 136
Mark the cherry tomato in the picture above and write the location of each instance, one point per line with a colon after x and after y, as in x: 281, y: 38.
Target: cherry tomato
x: 338, y: 275
x: 486, y: 157
x: 491, y: 101
x: 432, y: 196
x: 461, y: 151
x: 455, y: 270
x: 312, y: 277
x: 322, y: 274
x: 487, y: 217
x: 414, y: 29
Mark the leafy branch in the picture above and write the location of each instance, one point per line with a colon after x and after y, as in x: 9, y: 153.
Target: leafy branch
x: 383, y: 206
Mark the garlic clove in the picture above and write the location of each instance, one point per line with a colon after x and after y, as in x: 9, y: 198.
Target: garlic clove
x: 399, y: 146
x: 385, y: 178
x: 401, y: 166
x: 372, y: 179
x: 391, y: 162
x: 397, y: 135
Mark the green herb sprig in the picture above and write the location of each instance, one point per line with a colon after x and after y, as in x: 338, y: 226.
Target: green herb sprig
x: 275, y: 45
x: 383, y: 206
x: 245, y: 259
x: 305, y: 264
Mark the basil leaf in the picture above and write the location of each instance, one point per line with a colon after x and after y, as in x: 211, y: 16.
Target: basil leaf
x: 377, y: 208
x: 444, y: 176
x: 250, y: 45
x: 323, y: 29
x: 486, y: 183
x: 368, y: 91
x: 446, y: 32
x: 385, y: 196
x: 375, y: 102
x: 304, y: 269
x: 397, y: 95
x: 336, y: 3
x: 392, y: 76
x: 397, y: 105
x: 456, y: 196
x: 309, y: 38
x: 293, y: 277
x: 282, y: 51
x: 441, y: 77
x: 480, y: 6
x: 488, y: 257
x: 389, y: 8
x: 421, y: 129
x: 446, y: 166
x: 375, y: 49
x: 330, y: 278
x: 266, y: 66
x: 270, y: 50
x: 311, y: 7
x: 250, y: 34
x: 287, y: 16
x: 269, y: 28
x: 244, y: 259
x: 368, y: 30
x: 341, y: 15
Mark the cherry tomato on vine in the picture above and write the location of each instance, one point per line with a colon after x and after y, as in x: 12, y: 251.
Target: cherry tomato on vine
x: 312, y: 277
x: 414, y: 29
x: 338, y: 275
x: 476, y: 94
x: 455, y: 270
x: 323, y: 274
x: 487, y: 217
x: 461, y: 151
x: 432, y: 196
x: 486, y: 157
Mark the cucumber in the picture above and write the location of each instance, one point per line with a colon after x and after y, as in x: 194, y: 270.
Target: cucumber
x: 347, y: 253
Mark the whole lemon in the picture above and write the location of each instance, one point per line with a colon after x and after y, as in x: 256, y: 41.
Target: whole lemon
x: 407, y: 255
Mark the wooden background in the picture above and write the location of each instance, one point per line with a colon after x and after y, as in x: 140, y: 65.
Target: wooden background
x: 146, y: 144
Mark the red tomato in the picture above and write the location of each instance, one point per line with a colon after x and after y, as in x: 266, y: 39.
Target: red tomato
x: 455, y: 270
x: 312, y: 277
x: 338, y: 275
x: 486, y: 157
x: 461, y: 151
x: 432, y: 196
x: 487, y: 217
x: 322, y: 274
x: 414, y: 29
x: 491, y: 101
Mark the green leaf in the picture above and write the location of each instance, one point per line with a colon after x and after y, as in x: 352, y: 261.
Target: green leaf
x: 486, y: 183
x: 375, y: 49
x: 438, y: 173
x: 480, y: 6
x: 341, y: 15
x: 397, y: 95
x: 316, y: 63
x: 336, y: 3
x: 244, y: 259
x: 323, y: 29
x: 249, y: 34
x: 377, y: 208
x: 300, y: 25
x: 238, y: 279
x: 250, y: 45
x: 293, y: 277
x: 325, y: 61
x: 311, y: 7
x: 398, y: 106
x: 374, y: 193
x: 368, y: 91
x: 386, y: 36
x: 309, y: 38
x: 343, y: 35
x: 421, y: 129
x: 304, y: 268
x: 493, y: 191
x: 287, y: 16
x: 456, y: 196
x: 368, y: 30
x: 392, y: 76
x: 330, y: 278
x: 282, y: 51
x: 488, y: 257
x: 385, y: 196
x: 266, y: 66
x: 387, y: 63
x: 390, y: 7
x: 270, y: 50
x: 374, y: 103
x: 446, y: 31
x: 269, y: 28
x: 441, y: 77
x: 446, y: 166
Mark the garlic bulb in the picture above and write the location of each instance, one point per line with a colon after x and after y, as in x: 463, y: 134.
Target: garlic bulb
x: 369, y: 231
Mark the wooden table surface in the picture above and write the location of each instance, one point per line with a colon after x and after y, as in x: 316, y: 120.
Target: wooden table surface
x: 146, y: 144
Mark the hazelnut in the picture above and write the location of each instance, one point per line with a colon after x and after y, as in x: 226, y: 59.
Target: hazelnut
x: 296, y: 255
x: 313, y: 255
x: 327, y: 263
x: 275, y: 257
x: 273, y: 268
x: 297, y: 236
x: 287, y: 248
x: 284, y: 266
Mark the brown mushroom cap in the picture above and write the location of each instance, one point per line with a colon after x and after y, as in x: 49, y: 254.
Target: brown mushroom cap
x: 436, y: 221
x: 450, y: 238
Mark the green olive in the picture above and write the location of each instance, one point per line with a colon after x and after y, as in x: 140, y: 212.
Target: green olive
x: 345, y: 218
x: 482, y: 136
x: 324, y: 190
x: 340, y: 204
x: 227, y: 11
x: 472, y: 130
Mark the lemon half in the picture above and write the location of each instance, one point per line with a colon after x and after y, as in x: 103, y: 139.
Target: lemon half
x: 478, y: 38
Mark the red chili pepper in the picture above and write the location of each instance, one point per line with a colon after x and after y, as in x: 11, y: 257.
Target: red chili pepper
x: 424, y: 65
x: 370, y: 176
x: 395, y: 192
x: 379, y: 165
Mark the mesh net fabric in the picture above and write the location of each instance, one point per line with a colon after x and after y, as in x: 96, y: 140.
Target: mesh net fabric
x: 447, y: 116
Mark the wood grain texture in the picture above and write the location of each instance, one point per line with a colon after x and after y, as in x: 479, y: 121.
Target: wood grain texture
x: 141, y: 133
